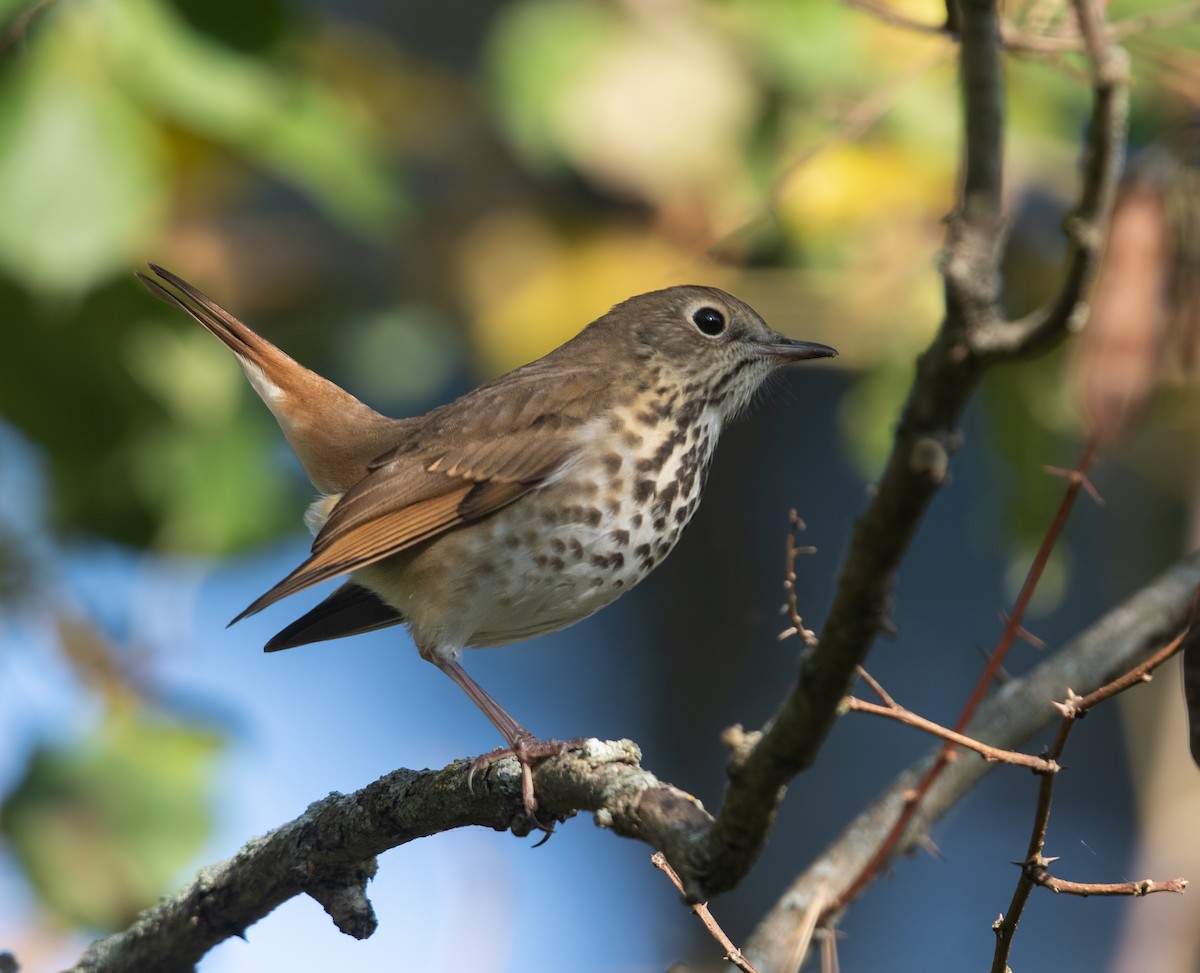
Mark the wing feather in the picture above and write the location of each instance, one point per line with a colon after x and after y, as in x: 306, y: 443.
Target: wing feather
x: 400, y: 505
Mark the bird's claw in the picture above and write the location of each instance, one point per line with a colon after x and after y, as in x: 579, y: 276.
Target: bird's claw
x: 526, y: 751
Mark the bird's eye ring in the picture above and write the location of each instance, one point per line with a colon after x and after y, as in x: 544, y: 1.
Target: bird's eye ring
x: 709, y: 320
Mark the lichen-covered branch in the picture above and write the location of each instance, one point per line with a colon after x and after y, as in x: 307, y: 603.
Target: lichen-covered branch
x: 329, y: 851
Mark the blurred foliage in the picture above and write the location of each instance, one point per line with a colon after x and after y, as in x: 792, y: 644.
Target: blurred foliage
x: 84, y: 168
x: 407, y: 200
x: 103, y: 825
x: 589, y: 151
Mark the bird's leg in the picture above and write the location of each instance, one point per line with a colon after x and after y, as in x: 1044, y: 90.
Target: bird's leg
x: 521, y: 743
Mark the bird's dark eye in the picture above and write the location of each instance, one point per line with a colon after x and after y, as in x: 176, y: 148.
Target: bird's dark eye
x: 709, y: 320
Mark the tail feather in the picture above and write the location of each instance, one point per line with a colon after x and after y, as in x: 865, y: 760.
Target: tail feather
x: 348, y: 611
x: 334, y: 435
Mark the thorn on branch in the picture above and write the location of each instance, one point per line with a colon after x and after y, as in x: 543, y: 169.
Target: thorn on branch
x: 1069, y: 707
x: 1076, y: 478
x: 1022, y: 632
x: 926, y: 843
x: 1000, y: 675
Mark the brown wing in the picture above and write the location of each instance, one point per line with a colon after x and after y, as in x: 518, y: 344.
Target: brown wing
x: 410, y: 500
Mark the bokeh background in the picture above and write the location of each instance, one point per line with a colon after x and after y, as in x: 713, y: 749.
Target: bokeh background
x: 413, y: 197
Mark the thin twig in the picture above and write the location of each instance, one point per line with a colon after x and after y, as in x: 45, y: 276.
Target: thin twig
x: 1139, y: 673
x: 1144, y: 887
x: 1009, y: 717
x: 909, y: 718
x: 795, y: 525
x: 926, y: 436
x: 1012, y: 631
x: 1034, y: 867
x: 974, y: 335
x: 1087, y: 226
x: 732, y: 953
x: 876, y: 686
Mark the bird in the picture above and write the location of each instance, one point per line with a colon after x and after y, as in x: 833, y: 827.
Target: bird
x: 521, y: 507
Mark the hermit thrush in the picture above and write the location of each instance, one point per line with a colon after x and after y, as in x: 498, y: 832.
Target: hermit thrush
x: 523, y: 506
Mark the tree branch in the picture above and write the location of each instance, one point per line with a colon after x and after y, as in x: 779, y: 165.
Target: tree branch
x: 947, y: 374
x: 894, y: 711
x: 973, y: 336
x: 329, y: 851
x: 700, y: 910
x: 1008, y: 718
x: 1034, y: 867
x: 1077, y: 481
x: 1145, y: 886
x: 1087, y: 226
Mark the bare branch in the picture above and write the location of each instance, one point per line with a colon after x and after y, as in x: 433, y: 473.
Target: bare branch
x: 328, y: 852
x: 909, y: 718
x: 1033, y: 872
x: 876, y: 686
x: 795, y: 525
x: 1144, y: 887
x: 1077, y: 478
x: 975, y: 235
x: 1007, y: 718
x: 732, y: 953
x: 1087, y: 226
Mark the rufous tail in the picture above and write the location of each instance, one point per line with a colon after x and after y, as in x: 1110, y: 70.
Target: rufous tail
x: 333, y: 434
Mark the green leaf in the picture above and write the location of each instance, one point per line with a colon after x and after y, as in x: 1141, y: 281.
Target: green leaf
x: 82, y: 176
x: 536, y: 50
x: 288, y: 122
x: 103, y: 826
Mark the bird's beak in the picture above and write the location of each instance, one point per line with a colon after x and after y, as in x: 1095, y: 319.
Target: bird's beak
x: 790, y: 350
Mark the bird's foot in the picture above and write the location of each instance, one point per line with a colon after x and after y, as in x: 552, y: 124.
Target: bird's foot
x: 528, y: 750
